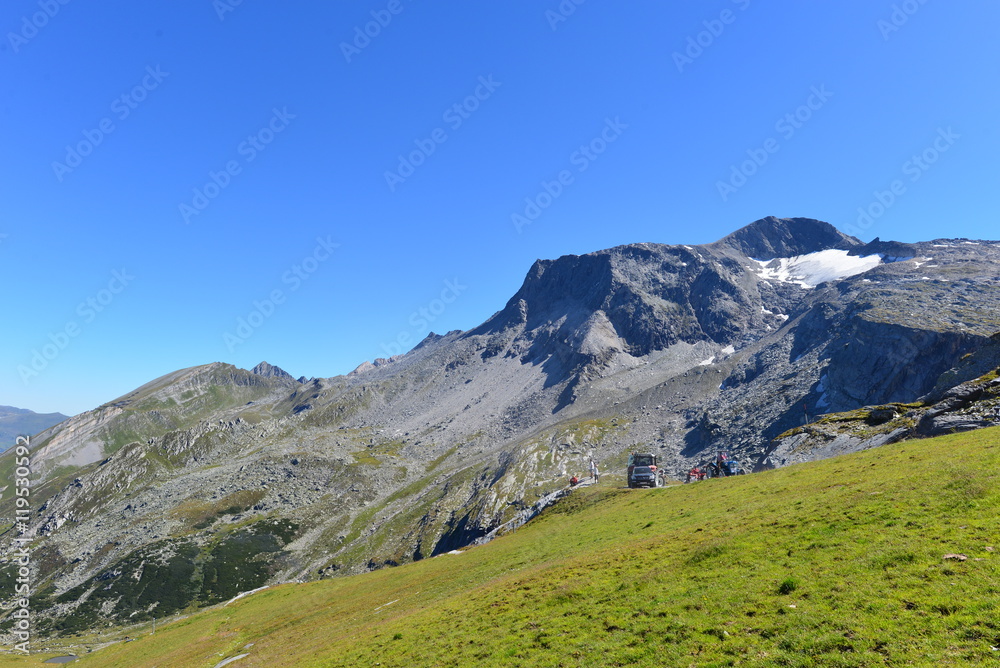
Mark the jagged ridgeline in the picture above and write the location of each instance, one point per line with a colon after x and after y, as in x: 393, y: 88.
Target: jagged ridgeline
x: 214, y: 480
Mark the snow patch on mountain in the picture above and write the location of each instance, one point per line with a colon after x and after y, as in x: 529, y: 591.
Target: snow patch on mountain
x: 812, y: 269
x: 822, y: 402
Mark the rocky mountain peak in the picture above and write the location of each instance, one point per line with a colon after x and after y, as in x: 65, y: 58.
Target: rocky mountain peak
x: 771, y: 237
x: 607, y: 308
x: 271, y: 371
x: 378, y: 363
x: 649, y: 296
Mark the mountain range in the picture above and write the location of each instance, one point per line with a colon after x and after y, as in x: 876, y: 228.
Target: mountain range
x: 16, y: 422
x: 784, y: 341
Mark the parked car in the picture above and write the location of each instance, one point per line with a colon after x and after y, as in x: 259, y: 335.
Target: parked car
x: 642, y: 476
x: 641, y: 459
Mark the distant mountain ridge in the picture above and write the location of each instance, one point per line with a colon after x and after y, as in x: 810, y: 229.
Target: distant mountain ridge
x: 237, y: 478
x: 16, y: 422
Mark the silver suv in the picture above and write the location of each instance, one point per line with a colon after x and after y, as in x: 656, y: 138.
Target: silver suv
x: 642, y: 476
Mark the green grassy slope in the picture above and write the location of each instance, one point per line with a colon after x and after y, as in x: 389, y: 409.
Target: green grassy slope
x: 834, y: 563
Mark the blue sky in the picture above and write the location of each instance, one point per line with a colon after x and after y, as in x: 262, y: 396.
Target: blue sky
x: 200, y: 181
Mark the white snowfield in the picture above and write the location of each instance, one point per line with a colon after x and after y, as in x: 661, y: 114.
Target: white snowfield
x: 815, y: 268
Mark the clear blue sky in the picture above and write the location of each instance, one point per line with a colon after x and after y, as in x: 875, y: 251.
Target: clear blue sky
x: 115, y: 113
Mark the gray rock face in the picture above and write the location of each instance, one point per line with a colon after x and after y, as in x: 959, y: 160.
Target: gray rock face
x: 631, y: 300
x: 971, y: 405
x: 875, y: 362
x: 673, y: 349
x: 772, y: 237
x: 970, y: 367
x: 951, y: 424
x: 271, y: 371
x: 892, y: 250
x: 376, y: 364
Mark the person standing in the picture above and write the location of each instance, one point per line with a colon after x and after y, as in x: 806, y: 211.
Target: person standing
x: 594, y: 473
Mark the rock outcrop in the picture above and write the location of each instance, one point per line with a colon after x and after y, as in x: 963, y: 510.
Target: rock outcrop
x: 965, y: 407
x: 271, y: 371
